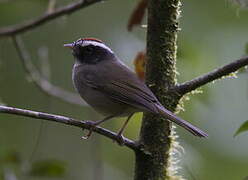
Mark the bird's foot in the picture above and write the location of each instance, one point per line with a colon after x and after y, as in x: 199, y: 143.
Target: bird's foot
x: 120, y: 139
x: 93, y: 125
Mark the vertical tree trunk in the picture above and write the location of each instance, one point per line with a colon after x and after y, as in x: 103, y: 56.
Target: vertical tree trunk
x: 155, y: 132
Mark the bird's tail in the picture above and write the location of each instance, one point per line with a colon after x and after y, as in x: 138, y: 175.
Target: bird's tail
x: 186, y: 125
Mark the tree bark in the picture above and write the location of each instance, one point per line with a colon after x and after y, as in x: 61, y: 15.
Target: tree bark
x: 155, y: 135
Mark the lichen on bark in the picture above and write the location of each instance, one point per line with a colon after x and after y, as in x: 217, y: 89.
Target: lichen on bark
x: 155, y: 135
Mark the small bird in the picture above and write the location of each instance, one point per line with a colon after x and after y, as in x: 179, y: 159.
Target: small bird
x: 112, y: 89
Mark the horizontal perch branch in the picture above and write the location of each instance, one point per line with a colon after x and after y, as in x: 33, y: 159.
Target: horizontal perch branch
x: 46, y: 17
x: 211, y: 76
x: 68, y: 121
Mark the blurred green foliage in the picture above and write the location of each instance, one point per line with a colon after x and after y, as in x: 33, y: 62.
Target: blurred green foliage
x: 10, y: 157
x: 11, y: 164
x: 213, y: 33
x: 48, y: 168
x: 246, y: 48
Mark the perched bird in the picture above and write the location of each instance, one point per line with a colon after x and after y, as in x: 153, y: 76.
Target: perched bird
x: 112, y: 89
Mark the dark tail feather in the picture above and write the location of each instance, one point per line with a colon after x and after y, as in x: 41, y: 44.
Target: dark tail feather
x: 191, y: 128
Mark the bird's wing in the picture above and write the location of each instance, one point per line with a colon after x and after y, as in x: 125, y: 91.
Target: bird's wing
x: 132, y: 93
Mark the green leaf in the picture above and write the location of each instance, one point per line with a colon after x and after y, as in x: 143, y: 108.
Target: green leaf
x: 242, y: 128
x: 242, y: 70
x: 48, y: 168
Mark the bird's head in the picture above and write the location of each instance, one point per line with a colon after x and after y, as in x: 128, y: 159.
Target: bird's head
x: 90, y: 50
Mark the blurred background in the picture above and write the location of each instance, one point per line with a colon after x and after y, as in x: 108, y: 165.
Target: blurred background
x: 212, y: 34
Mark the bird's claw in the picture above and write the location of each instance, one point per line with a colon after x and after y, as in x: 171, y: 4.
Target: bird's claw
x: 92, y: 124
x: 87, y: 136
x: 120, y: 139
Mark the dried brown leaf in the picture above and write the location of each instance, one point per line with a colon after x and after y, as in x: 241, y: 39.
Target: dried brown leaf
x: 137, y: 15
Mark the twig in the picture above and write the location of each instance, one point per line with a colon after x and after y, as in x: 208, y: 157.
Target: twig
x: 46, y: 17
x: 68, y: 121
x: 211, y: 76
x: 45, y: 69
x: 41, y: 82
x: 51, y: 6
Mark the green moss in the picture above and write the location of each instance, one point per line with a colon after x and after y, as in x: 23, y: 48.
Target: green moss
x: 156, y: 134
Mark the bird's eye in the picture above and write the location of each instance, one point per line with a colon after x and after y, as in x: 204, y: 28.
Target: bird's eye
x: 88, y: 49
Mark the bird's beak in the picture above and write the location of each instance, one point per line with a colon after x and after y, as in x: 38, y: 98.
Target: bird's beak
x: 69, y: 45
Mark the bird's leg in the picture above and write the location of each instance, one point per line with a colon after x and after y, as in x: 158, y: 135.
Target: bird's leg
x: 119, y: 134
x: 94, y: 124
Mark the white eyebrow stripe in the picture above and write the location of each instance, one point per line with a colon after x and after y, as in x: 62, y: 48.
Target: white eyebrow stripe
x: 94, y: 43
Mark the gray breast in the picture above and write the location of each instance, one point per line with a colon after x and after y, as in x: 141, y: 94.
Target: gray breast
x: 99, y: 101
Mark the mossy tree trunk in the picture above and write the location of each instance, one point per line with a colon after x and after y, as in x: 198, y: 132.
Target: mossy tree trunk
x: 155, y: 132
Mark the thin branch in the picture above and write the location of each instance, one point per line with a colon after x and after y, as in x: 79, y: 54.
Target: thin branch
x: 41, y: 82
x: 68, y: 121
x: 46, y: 17
x: 43, y: 57
x: 211, y: 76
